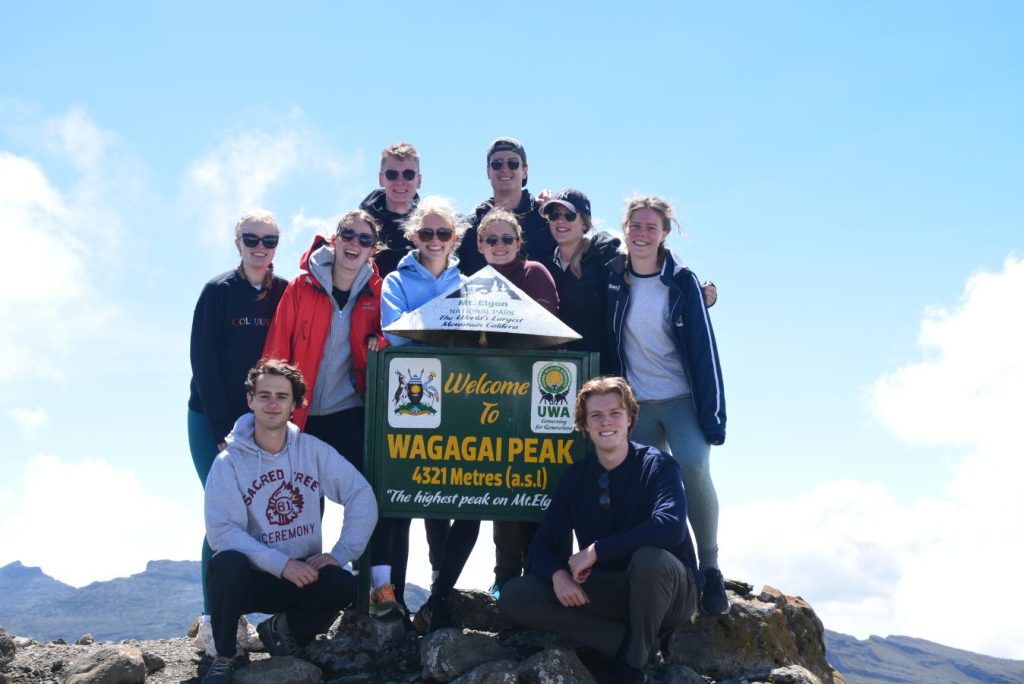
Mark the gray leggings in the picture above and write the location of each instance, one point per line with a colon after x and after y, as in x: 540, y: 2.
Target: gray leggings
x: 671, y: 426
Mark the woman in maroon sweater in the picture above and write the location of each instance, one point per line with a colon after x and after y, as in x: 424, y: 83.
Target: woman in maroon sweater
x: 500, y: 239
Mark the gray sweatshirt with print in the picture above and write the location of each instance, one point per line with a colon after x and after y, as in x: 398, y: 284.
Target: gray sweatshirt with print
x: 267, y: 506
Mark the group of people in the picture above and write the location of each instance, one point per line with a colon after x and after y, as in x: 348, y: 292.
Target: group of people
x: 276, y: 418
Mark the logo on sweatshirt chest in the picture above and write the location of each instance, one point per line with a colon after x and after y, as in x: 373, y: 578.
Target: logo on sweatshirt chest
x: 285, y: 504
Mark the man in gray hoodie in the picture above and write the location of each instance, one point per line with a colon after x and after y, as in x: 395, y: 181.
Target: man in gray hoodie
x: 263, y: 521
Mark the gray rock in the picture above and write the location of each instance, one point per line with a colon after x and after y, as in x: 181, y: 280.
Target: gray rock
x: 7, y: 648
x: 792, y: 674
x: 153, y: 662
x: 477, y: 610
x: 356, y: 643
x: 109, y: 665
x: 283, y: 670
x: 85, y: 640
x: 554, y: 665
x: 680, y: 674
x: 494, y: 672
x: 759, y: 634
x: 448, y: 653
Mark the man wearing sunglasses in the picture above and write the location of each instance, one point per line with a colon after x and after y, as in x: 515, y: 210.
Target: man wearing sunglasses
x: 392, y: 203
x: 635, y: 576
x: 507, y: 171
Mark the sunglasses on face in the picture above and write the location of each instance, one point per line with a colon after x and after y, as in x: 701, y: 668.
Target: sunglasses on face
x: 407, y: 174
x: 253, y: 240
x: 492, y: 240
x: 365, y: 239
x: 427, y: 234
x: 496, y: 164
x: 553, y: 214
x: 604, y: 500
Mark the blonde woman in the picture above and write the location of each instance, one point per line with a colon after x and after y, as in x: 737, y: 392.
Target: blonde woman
x: 424, y: 273
x: 229, y: 327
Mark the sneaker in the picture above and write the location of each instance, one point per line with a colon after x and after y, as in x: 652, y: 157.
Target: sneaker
x: 246, y: 636
x: 277, y: 641
x: 221, y: 671
x: 495, y: 590
x: 383, y: 602
x: 713, y: 600
x: 204, y: 639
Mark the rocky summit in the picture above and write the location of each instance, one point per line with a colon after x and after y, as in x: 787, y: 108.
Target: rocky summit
x: 766, y: 637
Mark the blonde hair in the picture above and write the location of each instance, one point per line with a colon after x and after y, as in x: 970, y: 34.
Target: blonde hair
x: 439, y: 206
x: 402, y: 150
x: 265, y: 217
x: 257, y: 216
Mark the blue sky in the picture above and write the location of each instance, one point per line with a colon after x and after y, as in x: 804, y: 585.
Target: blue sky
x: 845, y: 173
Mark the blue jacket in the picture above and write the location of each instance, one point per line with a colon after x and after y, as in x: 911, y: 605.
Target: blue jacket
x: 410, y: 286
x: 694, y: 338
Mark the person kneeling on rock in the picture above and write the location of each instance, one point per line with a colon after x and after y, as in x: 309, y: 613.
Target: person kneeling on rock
x: 636, y: 574
x: 263, y: 521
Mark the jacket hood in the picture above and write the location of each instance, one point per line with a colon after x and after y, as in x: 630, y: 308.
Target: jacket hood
x: 603, y: 246
x: 377, y: 204
x: 318, y: 242
x: 318, y: 261
x: 243, y: 436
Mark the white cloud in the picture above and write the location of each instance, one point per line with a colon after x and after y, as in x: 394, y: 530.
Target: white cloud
x: 870, y: 566
x: 59, y: 275
x: 240, y: 173
x: 54, y: 298
x: 968, y: 389
x: 88, y: 521
x: 29, y: 420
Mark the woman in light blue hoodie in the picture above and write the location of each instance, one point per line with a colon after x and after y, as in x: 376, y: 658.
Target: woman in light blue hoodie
x: 424, y: 273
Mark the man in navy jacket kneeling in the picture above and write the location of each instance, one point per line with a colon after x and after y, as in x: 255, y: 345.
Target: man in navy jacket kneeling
x: 635, y: 576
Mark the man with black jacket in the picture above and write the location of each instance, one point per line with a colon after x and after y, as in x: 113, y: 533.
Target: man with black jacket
x: 507, y: 171
x: 390, y: 204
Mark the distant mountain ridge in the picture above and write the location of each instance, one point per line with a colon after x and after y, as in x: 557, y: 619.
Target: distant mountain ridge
x: 907, y: 660
x: 162, y: 601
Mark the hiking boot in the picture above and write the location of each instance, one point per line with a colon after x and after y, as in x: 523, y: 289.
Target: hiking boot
x: 383, y: 602
x: 221, y: 671
x: 433, y: 615
x: 440, y: 612
x: 275, y: 638
x: 713, y: 600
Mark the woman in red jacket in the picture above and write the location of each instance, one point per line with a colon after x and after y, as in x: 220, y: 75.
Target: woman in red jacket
x: 326, y: 324
x: 327, y: 321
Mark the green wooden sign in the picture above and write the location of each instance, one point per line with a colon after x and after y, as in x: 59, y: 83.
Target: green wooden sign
x: 471, y: 433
